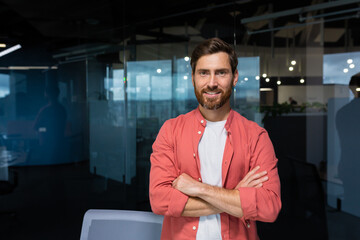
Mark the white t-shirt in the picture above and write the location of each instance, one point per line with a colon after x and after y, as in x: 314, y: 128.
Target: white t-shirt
x: 211, y: 151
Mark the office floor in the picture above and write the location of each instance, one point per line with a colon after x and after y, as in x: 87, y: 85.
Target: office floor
x: 50, y: 201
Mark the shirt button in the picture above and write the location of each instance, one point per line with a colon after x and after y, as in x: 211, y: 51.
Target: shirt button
x: 194, y: 228
x: 199, y: 132
x: 194, y: 155
x: 225, y: 162
x: 202, y: 121
x: 199, y: 179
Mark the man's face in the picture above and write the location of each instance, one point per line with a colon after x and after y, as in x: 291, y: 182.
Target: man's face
x: 213, y: 80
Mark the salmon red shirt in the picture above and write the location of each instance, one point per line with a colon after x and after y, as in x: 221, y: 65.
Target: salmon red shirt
x: 175, y: 151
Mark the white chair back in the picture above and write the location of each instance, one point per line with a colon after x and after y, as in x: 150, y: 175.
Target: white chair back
x: 121, y: 225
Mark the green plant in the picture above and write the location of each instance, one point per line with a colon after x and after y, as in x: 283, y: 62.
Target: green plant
x: 276, y: 110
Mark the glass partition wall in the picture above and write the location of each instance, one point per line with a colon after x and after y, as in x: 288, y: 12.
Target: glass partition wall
x: 298, y: 81
x: 125, y: 123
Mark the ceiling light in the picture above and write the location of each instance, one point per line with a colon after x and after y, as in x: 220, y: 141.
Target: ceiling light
x: 278, y: 82
x: 267, y: 80
x: 257, y: 77
x: 158, y: 70
x: 246, y: 79
x: 2, y: 45
x: 349, y: 61
x: 185, y: 77
x: 293, y: 62
x: 29, y: 68
x: 302, y: 80
x: 345, y: 70
x: 291, y: 69
x: 266, y: 89
x: 352, y: 65
x: 264, y: 75
x: 186, y: 58
x: 9, y: 50
x: 358, y: 89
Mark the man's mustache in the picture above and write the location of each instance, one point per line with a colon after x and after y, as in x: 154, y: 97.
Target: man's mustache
x: 209, y: 89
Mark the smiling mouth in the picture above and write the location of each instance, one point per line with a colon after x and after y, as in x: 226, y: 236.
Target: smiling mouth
x: 212, y: 93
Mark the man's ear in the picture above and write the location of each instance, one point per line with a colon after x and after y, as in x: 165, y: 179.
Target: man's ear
x: 235, y: 77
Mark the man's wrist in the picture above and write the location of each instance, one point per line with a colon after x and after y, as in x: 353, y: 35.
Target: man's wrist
x: 204, y: 190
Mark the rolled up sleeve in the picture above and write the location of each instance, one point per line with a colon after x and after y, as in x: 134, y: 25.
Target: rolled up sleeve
x: 164, y: 199
x: 264, y: 203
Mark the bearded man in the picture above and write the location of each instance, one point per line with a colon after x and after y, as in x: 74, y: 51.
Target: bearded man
x: 213, y: 172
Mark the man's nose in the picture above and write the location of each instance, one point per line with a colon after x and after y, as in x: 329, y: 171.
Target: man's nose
x: 213, y: 81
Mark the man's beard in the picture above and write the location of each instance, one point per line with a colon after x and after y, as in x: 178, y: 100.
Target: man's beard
x: 212, y: 103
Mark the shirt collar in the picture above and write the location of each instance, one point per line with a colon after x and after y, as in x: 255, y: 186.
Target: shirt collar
x: 199, y: 117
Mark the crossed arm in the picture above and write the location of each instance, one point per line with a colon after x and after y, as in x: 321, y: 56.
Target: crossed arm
x: 176, y: 194
x: 205, y: 199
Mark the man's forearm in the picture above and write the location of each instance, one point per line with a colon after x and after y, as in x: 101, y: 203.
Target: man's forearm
x: 196, y: 207
x: 226, y: 200
x: 223, y: 199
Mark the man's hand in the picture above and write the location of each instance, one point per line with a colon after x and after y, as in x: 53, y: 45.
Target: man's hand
x: 253, y: 179
x: 187, y: 185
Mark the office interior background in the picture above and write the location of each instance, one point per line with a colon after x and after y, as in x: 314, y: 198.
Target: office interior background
x: 122, y: 69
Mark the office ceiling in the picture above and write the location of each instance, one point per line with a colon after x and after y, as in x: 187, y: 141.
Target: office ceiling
x: 65, y: 24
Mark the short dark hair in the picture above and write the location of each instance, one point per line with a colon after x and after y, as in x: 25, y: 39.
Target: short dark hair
x: 211, y: 46
x: 355, y: 83
x: 355, y: 80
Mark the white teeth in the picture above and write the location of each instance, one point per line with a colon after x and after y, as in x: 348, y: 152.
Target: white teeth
x: 212, y: 93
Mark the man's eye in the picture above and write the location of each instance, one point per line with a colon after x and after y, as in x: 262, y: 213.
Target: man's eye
x: 222, y: 73
x: 203, y: 73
